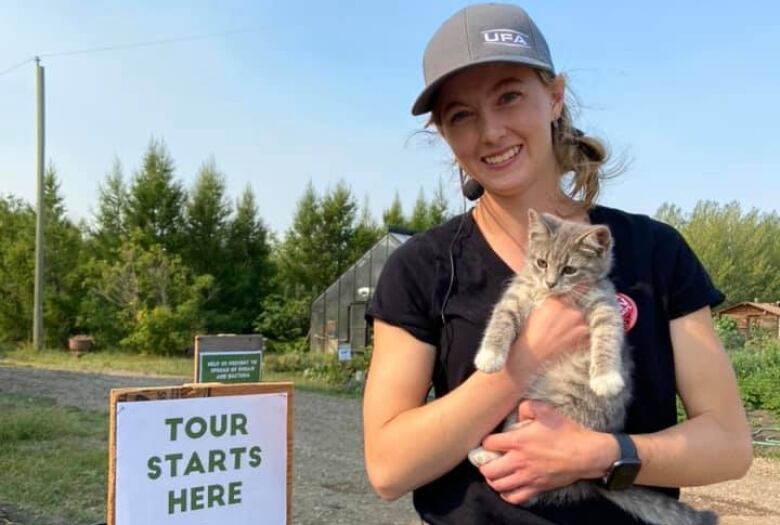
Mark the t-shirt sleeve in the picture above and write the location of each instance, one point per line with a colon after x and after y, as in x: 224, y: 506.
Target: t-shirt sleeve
x: 689, y: 286
x: 405, y: 292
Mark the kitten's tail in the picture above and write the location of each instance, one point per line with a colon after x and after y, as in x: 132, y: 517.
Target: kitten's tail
x: 654, y: 507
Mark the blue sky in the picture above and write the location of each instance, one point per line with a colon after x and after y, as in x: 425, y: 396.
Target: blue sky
x: 687, y: 92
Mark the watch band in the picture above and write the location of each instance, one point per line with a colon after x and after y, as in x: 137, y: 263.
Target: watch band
x: 627, y: 447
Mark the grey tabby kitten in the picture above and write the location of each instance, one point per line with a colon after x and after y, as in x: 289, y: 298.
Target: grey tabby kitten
x: 592, y: 388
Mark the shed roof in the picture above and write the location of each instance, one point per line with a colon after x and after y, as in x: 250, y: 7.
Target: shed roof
x: 772, y: 308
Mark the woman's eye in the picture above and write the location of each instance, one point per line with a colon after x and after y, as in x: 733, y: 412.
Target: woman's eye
x: 569, y: 270
x: 541, y: 263
x: 508, y: 97
x: 458, y: 116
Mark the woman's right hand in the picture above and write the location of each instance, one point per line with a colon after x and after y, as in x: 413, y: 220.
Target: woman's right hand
x: 555, y: 326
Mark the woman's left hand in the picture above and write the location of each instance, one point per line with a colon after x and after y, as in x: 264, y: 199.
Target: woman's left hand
x: 545, y: 451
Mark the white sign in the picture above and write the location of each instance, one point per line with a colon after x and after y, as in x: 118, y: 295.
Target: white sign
x: 345, y: 352
x: 202, y: 460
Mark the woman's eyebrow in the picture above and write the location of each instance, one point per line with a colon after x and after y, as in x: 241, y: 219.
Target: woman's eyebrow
x: 505, y: 82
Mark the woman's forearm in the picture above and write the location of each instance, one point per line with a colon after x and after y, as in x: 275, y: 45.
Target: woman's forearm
x: 698, y: 451
x: 423, y: 443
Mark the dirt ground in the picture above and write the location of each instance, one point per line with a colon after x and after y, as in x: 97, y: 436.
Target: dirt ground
x: 330, y: 485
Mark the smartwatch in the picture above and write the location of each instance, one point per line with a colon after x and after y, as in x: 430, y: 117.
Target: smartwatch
x: 623, y: 472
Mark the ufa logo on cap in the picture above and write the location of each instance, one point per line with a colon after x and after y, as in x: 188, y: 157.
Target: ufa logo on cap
x: 506, y: 37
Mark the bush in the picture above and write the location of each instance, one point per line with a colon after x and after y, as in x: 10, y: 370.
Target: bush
x: 757, y: 366
x: 319, y: 367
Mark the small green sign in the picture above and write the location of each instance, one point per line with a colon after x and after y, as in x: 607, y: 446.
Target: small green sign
x: 230, y: 367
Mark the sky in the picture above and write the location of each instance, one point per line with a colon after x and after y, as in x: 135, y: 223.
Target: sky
x: 686, y: 93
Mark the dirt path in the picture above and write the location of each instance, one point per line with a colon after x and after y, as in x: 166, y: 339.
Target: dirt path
x: 330, y: 485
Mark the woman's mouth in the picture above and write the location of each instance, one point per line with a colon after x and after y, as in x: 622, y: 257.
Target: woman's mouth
x: 503, y: 157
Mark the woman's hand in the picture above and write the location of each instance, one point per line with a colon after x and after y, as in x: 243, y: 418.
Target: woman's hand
x: 544, y: 451
x: 557, y: 325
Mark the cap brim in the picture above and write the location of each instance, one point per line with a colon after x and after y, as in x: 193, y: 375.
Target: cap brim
x: 424, y: 101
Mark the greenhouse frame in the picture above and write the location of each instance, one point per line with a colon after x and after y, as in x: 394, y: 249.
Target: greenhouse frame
x: 338, y: 315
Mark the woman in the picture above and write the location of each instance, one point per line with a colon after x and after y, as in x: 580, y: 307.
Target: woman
x: 495, y: 99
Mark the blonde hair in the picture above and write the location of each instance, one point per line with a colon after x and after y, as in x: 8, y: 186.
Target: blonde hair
x: 586, y: 157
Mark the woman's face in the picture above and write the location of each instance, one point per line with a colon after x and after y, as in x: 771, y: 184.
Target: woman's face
x: 496, y: 118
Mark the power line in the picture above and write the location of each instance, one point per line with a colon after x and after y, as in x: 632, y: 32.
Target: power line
x: 134, y: 45
x: 20, y: 64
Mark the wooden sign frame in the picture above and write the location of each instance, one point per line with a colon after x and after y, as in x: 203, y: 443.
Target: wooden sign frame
x: 191, y: 391
x: 227, y: 343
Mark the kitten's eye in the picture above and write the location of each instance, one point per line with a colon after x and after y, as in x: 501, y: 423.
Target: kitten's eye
x: 541, y: 263
x: 569, y: 270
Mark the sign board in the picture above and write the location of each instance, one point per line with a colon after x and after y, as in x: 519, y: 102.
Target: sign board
x: 345, y: 352
x: 228, y: 358
x: 199, y: 454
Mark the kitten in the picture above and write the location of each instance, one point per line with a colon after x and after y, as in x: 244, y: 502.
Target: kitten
x: 592, y: 388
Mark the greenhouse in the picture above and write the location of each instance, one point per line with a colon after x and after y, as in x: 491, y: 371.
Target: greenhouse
x: 337, y: 316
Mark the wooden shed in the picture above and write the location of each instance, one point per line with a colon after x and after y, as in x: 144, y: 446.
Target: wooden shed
x: 750, y: 316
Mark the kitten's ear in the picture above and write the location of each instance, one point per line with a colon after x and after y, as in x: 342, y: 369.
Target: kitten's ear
x: 542, y: 224
x: 597, y: 239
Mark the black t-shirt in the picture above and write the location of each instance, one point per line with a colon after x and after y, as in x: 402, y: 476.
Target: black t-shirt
x: 652, y: 264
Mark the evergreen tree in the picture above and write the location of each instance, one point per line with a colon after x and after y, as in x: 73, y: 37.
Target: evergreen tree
x: 367, y: 232
x: 17, y: 268
x: 207, y: 212
x: 156, y: 200
x: 394, y: 215
x: 438, y: 209
x: 419, y: 219
x: 63, y: 272
x: 249, y: 276
x: 110, y: 217
x: 337, y: 230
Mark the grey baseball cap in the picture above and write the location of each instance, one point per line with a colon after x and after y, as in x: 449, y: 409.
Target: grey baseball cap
x: 481, y: 34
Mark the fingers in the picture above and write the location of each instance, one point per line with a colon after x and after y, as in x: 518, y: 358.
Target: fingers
x: 520, y: 496
x: 526, y: 410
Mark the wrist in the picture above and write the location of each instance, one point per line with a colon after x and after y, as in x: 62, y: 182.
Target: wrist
x: 603, y: 453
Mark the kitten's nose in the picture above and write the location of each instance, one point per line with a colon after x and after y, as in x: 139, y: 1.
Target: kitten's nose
x: 551, y: 284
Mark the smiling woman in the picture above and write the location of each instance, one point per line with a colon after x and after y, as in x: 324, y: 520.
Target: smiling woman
x: 495, y: 98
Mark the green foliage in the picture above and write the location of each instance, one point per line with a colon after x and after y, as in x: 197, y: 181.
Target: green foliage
x: 322, y: 368
x: 156, y: 200
x: 726, y: 328
x: 741, y: 250
x: 757, y: 366
x: 145, y: 302
x: 394, y: 215
x: 283, y: 319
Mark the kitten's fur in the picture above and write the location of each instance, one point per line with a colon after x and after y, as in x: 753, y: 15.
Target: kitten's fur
x: 592, y: 388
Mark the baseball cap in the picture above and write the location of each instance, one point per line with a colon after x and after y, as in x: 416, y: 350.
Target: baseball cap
x: 481, y: 34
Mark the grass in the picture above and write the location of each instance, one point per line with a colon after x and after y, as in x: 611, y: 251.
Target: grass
x: 120, y: 363
x: 52, y: 460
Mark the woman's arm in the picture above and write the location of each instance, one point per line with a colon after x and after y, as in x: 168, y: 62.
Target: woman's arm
x: 409, y: 443
x: 712, y: 445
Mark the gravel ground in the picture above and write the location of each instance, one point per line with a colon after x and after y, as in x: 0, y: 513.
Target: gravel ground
x: 330, y: 485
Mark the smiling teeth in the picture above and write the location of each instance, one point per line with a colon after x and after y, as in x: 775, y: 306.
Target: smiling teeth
x: 503, y: 157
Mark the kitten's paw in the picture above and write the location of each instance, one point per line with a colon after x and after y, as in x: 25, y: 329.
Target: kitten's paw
x: 479, y: 456
x: 489, y: 362
x: 608, y: 384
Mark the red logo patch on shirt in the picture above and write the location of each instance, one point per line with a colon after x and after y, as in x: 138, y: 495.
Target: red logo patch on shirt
x: 628, y: 310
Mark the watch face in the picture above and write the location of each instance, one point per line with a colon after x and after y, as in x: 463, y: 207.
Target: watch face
x: 622, y: 474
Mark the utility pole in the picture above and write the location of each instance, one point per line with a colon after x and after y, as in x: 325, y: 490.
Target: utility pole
x: 38, y: 308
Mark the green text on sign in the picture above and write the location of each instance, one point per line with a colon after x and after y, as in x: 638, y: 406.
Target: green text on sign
x: 230, y: 367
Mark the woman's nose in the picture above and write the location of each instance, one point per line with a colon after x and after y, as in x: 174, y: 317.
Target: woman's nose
x: 492, y: 128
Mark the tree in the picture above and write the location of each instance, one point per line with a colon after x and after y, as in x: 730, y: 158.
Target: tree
x: 249, y: 274
x: 207, y: 212
x: 419, y: 219
x: 741, y: 251
x: 438, y: 208
x: 156, y: 200
x: 367, y: 232
x: 110, y: 218
x: 17, y: 268
x: 146, y: 301
x: 394, y: 215
x: 63, y: 273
